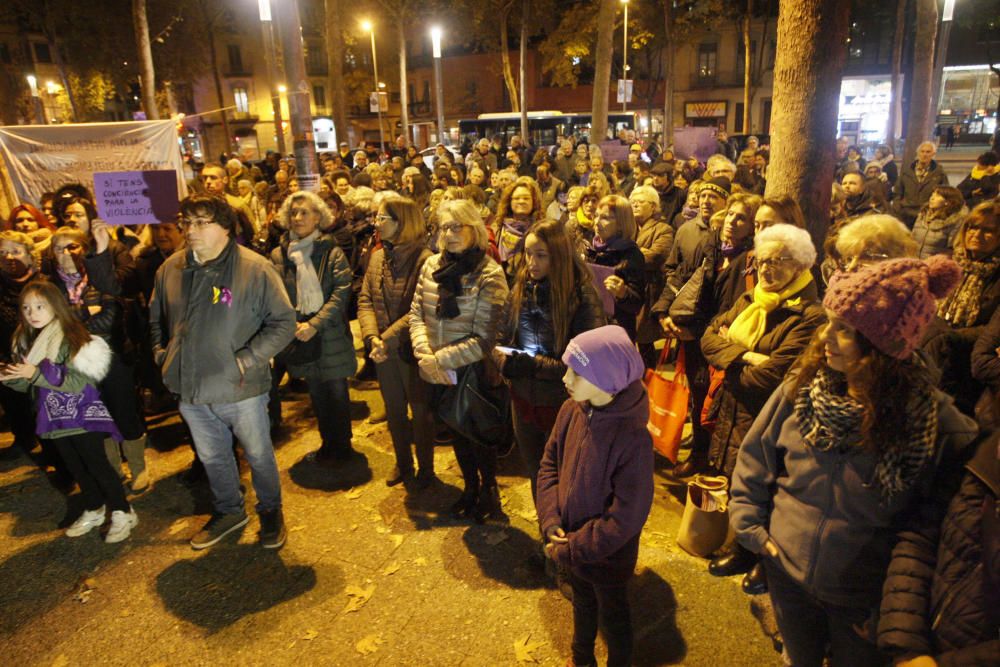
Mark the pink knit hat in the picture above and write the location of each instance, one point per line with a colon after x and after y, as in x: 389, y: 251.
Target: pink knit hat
x: 893, y: 302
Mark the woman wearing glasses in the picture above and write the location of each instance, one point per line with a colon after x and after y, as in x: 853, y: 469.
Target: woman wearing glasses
x: 384, y: 315
x: 454, y: 320
x: 317, y: 279
x: 755, y: 343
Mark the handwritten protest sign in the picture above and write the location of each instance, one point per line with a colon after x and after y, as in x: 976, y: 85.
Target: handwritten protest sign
x: 136, y: 197
x: 601, y: 273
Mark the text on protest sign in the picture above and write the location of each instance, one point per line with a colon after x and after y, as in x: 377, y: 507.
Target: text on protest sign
x: 136, y: 197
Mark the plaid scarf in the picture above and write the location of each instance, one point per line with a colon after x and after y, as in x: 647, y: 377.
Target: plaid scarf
x: 829, y: 418
x: 961, y: 307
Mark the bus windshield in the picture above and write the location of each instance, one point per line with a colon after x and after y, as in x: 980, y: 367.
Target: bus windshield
x: 544, y: 127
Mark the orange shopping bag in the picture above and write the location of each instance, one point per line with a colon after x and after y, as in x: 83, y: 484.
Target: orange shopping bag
x: 668, y: 405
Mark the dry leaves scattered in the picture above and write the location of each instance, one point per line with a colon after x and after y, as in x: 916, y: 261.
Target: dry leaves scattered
x: 357, y: 597
x: 524, y: 647
x: 369, y: 644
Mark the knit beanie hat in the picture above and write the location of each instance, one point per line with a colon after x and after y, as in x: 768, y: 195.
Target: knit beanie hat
x: 893, y: 302
x: 606, y: 357
x: 720, y: 186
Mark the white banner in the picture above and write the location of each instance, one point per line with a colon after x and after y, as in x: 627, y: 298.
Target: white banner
x: 40, y: 158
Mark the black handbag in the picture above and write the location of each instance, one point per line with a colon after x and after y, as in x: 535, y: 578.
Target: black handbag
x: 683, y: 311
x: 303, y: 352
x: 478, y: 407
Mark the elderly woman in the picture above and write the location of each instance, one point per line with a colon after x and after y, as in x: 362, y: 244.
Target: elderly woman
x: 520, y: 207
x: 965, y: 313
x: 614, y: 246
x: 655, y: 238
x: 384, y: 316
x: 754, y: 343
x: 18, y: 266
x: 454, y: 320
x: 318, y: 281
x: 938, y: 222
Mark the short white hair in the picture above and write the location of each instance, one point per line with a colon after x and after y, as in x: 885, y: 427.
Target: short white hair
x: 313, y: 200
x: 648, y: 191
x: 795, y: 241
x: 928, y: 143
x: 718, y: 161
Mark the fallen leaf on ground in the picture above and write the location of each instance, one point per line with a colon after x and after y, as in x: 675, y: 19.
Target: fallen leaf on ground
x: 369, y: 644
x: 357, y: 597
x: 391, y: 568
x: 494, y: 539
x: 355, y: 493
x: 421, y: 561
x: 381, y: 530
x: 177, y: 526
x: 524, y: 647
x: 397, y: 539
x: 310, y: 635
x: 84, y: 587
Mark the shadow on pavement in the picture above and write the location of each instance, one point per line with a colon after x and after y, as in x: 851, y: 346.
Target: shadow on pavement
x: 229, y: 582
x: 25, y: 595
x: 658, y: 640
x: 504, y: 554
x: 420, y: 510
x: 334, y: 477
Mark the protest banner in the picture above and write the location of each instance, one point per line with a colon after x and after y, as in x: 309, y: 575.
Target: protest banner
x: 136, y: 197
x: 697, y: 141
x: 41, y: 158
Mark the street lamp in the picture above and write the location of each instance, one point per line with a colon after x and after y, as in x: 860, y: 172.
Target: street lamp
x: 625, y: 59
x: 369, y: 28
x: 36, y: 100
x: 267, y: 28
x: 438, y: 88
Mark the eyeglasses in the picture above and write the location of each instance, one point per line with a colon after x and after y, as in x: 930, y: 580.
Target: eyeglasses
x: 188, y: 224
x: 864, y: 259
x: 982, y: 230
x: 775, y: 262
x: 385, y: 217
x: 452, y: 228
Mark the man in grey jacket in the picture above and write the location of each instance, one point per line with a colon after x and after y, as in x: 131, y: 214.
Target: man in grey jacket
x: 218, y: 314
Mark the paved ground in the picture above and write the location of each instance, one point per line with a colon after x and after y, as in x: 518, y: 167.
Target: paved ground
x: 370, y: 576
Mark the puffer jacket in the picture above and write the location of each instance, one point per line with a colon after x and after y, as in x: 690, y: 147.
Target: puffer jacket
x: 936, y: 599
x: 337, y: 359
x: 746, y: 388
x: 934, y: 236
x: 534, y: 332
x: 833, y: 534
x: 462, y: 340
x: 629, y: 265
x: 203, y: 317
x: 387, y: 295
x: 656, y: 238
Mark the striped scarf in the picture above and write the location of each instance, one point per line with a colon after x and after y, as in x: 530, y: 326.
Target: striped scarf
x: 829, y: 418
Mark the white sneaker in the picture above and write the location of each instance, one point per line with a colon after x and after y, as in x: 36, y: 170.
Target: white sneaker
x: 89, y: 520
x: 122, y: 524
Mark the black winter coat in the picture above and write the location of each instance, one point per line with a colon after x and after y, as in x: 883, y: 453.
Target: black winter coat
x: 542, y: 383
x: 630, y: 265
x: 941, y: 592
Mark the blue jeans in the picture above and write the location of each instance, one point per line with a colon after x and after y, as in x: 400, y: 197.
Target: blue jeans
x: 212, y: 428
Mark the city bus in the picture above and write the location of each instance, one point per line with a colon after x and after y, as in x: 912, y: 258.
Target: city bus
x: 543, y: 126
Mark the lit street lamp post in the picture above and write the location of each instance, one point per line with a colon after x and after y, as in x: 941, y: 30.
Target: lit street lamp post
x: 367, y: 25
x: 267, y: 27
x: 36, y: 100
x: 625, y: 59
x: 438, y: 87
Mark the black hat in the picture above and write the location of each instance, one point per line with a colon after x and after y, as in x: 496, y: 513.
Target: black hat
x: 662, y: 168
x: 720, y: 186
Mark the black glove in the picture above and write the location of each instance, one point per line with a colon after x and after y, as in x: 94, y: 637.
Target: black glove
x: 518, y: 365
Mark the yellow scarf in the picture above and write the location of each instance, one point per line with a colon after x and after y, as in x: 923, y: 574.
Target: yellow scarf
x: 751, y: 325
x: 583, y: 220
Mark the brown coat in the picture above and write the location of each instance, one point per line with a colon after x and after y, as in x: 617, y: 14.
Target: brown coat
x: 387, y: 293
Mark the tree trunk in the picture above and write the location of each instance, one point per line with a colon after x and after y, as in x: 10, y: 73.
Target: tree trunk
x: 57, y: 59
x: 807, y: 70
x: 8, y: 112
x: 896, y: 95
x: 525, y: 138
x: 404, y: 112
x: 299, y: 91
x: 508, y: 74
x: 141, y: 27
x: 602, y: 71
x: 335, y: 64
x: 919, y: 121
x: 208, y: 23
x: 747, y: 67
x: 668, y: 75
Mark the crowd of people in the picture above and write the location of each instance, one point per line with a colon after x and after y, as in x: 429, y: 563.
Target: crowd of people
x: 847, y: 393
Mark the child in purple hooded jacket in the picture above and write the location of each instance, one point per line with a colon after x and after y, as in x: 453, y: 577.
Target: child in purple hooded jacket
x: 595, y: 486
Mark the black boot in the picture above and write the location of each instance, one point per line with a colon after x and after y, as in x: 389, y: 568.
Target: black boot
x: 739, y: 561
x: 465, y: 507
x: 755, y: 581
x: 489, y: 507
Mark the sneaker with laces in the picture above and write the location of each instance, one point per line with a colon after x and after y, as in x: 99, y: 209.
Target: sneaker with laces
x: 122, y: 524
x: 86, y: 522
x: 217, y: 528
x: 272, y: 530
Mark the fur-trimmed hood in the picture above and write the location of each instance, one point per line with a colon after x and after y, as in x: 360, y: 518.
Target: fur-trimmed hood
x: 93, y: 359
